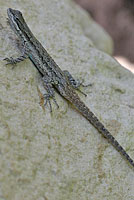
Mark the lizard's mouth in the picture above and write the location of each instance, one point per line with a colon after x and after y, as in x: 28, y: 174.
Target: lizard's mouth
x: 14, y: 14
x: 10, y: 13
x: 9, y: 10
x: 14, y: 18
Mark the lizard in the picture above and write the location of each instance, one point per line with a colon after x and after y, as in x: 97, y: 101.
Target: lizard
x: 54, y: 78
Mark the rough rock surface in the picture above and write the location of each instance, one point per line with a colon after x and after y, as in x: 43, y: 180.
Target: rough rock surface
x: 60, y: 155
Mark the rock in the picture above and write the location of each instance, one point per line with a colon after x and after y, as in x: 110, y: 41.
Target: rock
x: 60, y: 155
x: 94, y: 32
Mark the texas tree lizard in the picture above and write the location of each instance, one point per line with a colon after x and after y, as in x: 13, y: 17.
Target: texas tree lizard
x: 53, y: 77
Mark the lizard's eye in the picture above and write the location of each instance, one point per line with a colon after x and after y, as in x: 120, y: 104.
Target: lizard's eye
x: 17, y: 14
x: 16, y: 17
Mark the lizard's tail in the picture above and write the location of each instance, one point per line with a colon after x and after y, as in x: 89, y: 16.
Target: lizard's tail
x: 85, y: 111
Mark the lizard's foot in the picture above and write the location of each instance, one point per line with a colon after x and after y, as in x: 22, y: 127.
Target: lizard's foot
x: 75, y: 83
x: 10, y: 60
x: 48, y: 101
x: 13, y: 61
x: 47, y: 82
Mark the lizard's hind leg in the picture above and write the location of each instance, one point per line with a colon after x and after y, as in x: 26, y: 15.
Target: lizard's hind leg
x: 75, y: 83
x: 50, y: 92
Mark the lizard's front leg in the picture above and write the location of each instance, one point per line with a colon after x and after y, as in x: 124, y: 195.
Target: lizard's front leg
x: 13, y: 61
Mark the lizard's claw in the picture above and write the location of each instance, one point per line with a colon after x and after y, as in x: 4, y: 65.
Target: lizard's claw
x: 47, y: 100
x: 10, y: 61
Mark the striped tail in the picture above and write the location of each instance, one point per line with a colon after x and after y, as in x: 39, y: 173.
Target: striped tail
x: 85, y: 111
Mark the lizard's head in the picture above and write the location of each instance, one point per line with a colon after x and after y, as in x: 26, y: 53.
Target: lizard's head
x: 16, y: 20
